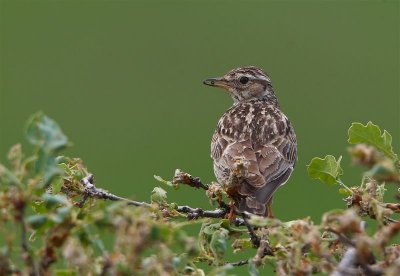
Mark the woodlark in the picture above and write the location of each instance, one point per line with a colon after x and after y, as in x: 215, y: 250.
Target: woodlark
x: 254, y: 147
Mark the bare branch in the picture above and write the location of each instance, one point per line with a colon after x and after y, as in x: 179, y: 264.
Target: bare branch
x: 93, y: 192
x: 343, y: 238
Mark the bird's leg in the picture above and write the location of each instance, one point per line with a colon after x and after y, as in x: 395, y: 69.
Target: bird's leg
x: 269, y: 209
x: 232, y: 212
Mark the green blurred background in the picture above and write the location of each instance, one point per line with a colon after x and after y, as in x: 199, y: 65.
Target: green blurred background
x: 124, y: 80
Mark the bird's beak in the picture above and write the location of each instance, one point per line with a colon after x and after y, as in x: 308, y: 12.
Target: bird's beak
x: 217, y: 82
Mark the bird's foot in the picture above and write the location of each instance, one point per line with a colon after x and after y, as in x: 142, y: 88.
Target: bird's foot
x: 232, y: 212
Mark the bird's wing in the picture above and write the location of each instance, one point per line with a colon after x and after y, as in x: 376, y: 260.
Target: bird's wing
x: 276, y: 163
x: 269, y: 151
x: 218, y: 145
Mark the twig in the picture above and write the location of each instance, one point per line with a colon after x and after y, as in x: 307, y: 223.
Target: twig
x: 24, y: 245
x: 371, y: 270
x: 255, y: 240
x: 181, y: 177
x: 192, y: 213
x: 106, y: 266
x: 351, y: 261
x: 195, y: 213
x: 343, y: 238
x: 262, y: 244
x: 238, y: 263
x: 388, y: 220
x: 93, y: 192
x: 395, y: 207
x: 349, y: 265
x: 263, y: 249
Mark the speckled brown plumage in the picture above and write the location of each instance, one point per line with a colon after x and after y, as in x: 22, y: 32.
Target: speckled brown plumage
x: 254, y: 146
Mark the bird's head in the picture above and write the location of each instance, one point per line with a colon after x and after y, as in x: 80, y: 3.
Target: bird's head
x: 245, y: 83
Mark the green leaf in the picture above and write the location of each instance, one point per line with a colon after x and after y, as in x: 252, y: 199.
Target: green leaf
x: 36, y: 221
x: 57, y: 184
x: 219, y: 243
x: 29, y: 162
x: 327, y: 170
x: 166, y: 182
x: 344, y: 191
x: 39, y: 206
x: 51, y: 170
x: 54, y: 200
x: 47, y: 137
x: 209, y: 229
x: 381, y: 171
x: 242, y: 245
x: 160, y: 232
x: 61, y: 215
x: 225, y: 223
x: 65, y: 272
x: 45, y: 132
x: 7, y: 177
x: 372, y: 135
x: 252, y: 268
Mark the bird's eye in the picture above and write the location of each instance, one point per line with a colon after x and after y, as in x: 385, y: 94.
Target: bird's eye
x: 244, y: 80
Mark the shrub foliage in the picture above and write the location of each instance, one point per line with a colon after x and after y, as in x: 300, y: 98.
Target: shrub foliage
x: 54, y: 220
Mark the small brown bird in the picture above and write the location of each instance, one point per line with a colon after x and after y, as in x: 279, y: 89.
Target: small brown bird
x: 254, y: 147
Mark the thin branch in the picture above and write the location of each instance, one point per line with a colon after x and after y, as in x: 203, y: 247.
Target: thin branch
x: 196, y: 213
x: 264, y: 248
x: 93, y: 192
x: 192, y: 213
x: 238, y: 263
x: 388, y: 220
x: 343, y: 238
x: 106, y: 266
x: 352, y: 261
x: 255, y: 240
x: 181, y: 177
x: 261, y: 243
x: 371, y: 270
x: 395, y: 207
